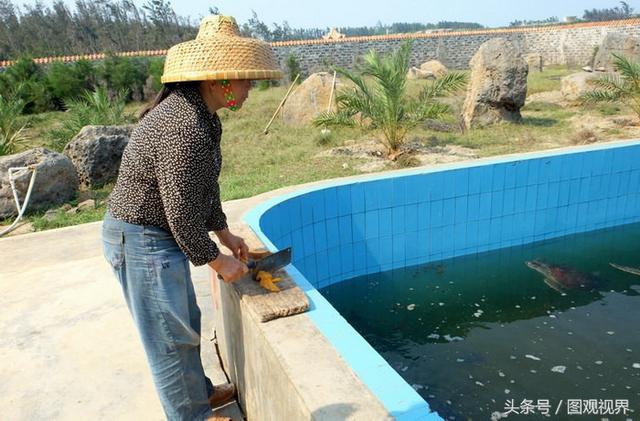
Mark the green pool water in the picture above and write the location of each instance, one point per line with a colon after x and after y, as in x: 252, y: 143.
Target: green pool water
x: 483, y: 335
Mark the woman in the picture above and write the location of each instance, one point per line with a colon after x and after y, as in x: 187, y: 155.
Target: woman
x: 166, y: 200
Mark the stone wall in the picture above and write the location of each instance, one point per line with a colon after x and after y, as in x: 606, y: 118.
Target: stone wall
x: 571, y: 45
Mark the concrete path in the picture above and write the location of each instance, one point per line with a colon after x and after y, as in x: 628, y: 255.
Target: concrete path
x: 68, y: 345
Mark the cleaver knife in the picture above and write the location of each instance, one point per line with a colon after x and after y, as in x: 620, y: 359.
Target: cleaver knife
x: 271, y: 263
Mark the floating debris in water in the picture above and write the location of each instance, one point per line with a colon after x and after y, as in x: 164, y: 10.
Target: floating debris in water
x: 553, y: 316
x: 501, y: 374
x: 459, y: 360
x: 433, y: 336
x: 569, y: 333
x: 440, y: 304
x: 479, y: 383
x: 629, y: 350
x: 507, y: 391
x: 610, y: 332
x: 559, y: 369
x: 495, y: 416
x: 410, y: 307
x: 636, y: 365
x: 533, y: 371
x: 405, y: 368
x: 533, y: 298
x: 452, y: 338
x: 476, y: 304
x: 532, y: 357
x: 512, y: 357
x: 417, y: 387
x: 478, y: 313
x: 599, y: 362
x: 517, y: 306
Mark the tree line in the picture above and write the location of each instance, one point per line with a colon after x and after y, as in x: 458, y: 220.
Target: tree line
x: 624, y: 11
x: 119, y: 25
x: 104, y: 26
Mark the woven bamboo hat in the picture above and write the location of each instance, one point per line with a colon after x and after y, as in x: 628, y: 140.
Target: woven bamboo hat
x: 219, y: 52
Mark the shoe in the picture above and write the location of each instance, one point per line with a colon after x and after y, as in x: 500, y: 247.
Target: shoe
x: 222, y: 393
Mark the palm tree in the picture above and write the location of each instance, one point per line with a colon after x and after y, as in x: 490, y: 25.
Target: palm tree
x: 380, y: 99
x: 11, y: 130
x: 92, y: 108
x: 624, y: 86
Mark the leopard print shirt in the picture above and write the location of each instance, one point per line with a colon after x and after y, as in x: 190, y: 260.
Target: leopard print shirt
x: 169, y: 172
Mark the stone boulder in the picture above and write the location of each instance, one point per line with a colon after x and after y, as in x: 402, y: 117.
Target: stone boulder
x: 416, y: 73
x: 497, y: 86
x: 619, y: 43
x: 576, y: 84
x: 434, y: 67
x: 310, y: 99
x: 56, y: 180
x: 96, y: 153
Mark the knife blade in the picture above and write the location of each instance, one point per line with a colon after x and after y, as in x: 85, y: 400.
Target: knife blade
x: 272, y: 262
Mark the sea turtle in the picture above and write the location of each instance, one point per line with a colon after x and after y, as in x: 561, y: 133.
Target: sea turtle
x: 628, y: 269
x: 562, y: 278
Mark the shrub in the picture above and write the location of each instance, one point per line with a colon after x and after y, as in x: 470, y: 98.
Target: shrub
x: 92, y: 108
x: 68, y: 81
x: 11, y: 131
x: 123, y: 74
x: 156, y: 68
x: 623, y: 86
x: 294, y: 68
x: 25, y: 81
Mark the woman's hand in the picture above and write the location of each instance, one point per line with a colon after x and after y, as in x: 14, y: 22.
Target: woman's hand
x: 229, y: 268
x: 234, y: 243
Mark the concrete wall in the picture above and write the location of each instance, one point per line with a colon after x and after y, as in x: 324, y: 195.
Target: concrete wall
x: 285, y: 369
x: 571, y: 45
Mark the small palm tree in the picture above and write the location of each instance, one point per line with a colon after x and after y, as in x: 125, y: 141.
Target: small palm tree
x: 11, y: 130
x: 383, y: 103
x: 92, y: 108
x: 624, y: 86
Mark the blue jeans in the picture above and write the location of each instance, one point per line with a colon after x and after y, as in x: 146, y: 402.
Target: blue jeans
x: 156, y: 282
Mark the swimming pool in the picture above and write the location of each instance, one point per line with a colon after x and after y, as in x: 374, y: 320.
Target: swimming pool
x: 346, y: 229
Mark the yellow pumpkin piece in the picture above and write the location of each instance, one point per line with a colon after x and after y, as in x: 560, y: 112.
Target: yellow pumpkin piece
x: 267, y: 281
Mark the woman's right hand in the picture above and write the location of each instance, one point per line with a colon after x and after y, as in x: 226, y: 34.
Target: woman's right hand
x: 228, y: 267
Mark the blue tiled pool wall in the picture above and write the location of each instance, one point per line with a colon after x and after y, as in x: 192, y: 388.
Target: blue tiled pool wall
x: 365, y: 227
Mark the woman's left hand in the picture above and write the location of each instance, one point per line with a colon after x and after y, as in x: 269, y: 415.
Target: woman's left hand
x: 234, y: 243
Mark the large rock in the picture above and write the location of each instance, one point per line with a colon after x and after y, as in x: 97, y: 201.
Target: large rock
x: 498, y: 84
x: 619, y: 43
x: 434, y: 67
x: 96, y: 153
x: 56, y: 180
x: 310, y: 99
x: 576, y: 84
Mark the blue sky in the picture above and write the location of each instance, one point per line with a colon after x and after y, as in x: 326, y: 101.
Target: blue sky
x: 326, y: 13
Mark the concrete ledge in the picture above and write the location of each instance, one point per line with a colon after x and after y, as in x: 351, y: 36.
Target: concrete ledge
x: 286, y: 370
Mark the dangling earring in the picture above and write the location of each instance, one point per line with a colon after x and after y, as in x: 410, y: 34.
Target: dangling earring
x: 232, y: 104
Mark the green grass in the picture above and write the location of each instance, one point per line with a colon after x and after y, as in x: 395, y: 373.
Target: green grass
x: 254, y: 163
x: 547, y: 80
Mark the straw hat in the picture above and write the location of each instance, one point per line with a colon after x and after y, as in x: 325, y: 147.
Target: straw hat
x: 219, y: 52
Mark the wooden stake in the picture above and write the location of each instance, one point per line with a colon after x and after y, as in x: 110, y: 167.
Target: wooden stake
x: 266, y: 129
x: 333, y: 86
